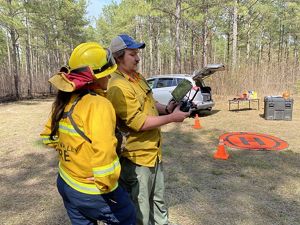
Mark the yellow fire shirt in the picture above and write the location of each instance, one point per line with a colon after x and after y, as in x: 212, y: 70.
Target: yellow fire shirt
x: 133, y: 102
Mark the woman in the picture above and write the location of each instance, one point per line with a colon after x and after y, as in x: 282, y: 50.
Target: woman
x: 82, y: 130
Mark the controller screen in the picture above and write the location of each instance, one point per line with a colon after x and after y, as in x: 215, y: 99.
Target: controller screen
x: 181, y: 90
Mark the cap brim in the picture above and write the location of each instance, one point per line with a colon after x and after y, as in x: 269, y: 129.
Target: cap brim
x: 137, y: 46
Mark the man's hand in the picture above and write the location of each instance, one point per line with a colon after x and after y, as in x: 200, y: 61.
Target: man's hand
x: 179, y: 116
x: 152, y: 122
x: 171, y: 106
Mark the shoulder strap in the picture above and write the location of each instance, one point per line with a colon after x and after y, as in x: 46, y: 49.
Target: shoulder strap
x: 69, y: 115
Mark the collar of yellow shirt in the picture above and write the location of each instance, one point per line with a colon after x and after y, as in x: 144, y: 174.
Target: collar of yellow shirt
x: 138, y: 79
x: 135, y: 77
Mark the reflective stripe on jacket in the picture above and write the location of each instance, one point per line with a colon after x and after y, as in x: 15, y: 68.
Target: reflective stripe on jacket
x: 81, y: 187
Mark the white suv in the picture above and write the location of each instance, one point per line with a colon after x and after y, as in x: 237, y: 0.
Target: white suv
x: 163, y: 85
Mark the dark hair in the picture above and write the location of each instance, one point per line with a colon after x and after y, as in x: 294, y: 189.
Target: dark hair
x: 119, y: 55
x: 61, y: 100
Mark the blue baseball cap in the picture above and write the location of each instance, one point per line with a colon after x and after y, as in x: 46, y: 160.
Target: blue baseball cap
x: 124, y: 41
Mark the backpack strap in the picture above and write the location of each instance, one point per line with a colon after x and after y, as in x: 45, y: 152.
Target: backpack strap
x: 69, y: 115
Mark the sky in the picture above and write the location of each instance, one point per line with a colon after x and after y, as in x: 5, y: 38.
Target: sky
x: 94, y: 9
x: 95, y: 6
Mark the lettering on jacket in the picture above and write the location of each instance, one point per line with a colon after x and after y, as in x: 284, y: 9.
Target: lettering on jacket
x: 64, y: 151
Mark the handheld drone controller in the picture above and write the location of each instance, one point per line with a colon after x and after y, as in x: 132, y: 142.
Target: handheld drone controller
x: 179, y: 95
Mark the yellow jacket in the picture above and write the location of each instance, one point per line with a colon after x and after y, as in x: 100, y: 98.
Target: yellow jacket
x: 79, y: 159
x: 133, y: 102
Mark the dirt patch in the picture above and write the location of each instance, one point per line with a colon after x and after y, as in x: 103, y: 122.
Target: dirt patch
x: 250, y: 188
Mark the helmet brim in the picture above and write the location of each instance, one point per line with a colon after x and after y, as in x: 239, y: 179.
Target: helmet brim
x: 106, y: 72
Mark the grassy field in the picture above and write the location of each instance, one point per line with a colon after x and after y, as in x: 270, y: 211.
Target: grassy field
x: 250, y: 188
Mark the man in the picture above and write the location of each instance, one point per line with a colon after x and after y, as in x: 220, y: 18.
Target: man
x: 138, y: 118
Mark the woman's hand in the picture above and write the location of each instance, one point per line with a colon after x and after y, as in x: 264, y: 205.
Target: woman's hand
x: 91, y: 178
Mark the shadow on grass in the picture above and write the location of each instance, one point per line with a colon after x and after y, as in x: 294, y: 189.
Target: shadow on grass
x: 204, y: 113
x: 27, y: 103
x: 241, y: 110
x: 250, y: 186
x: 34, y: 101
x: 28, y: 191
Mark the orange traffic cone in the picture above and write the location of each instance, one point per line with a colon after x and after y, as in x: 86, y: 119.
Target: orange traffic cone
x: 221, y: 151
x: 197, y: 122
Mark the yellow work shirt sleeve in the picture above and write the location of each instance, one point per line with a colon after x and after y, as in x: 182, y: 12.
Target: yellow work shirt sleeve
x: 127, y: 106
x: 105, y: 162
x: 45, y: 135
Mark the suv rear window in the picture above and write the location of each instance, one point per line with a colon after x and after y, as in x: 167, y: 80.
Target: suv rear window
x: 178, y: 80
x: 151, y: 82
x: 165, y: 82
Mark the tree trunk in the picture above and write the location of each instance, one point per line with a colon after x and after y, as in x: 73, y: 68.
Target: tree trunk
x: 139, y: 35
x: 204, y: 45
x: 228, y: 49
x: 14, y: 57
x: 287, y: 52
x: 234, y: 34
x: 269, y: 51
x: 8, y: 55
x: 248, y: 43
x: 28, y: 60
x: 204, y: 34
x: 280, y: 43
x: 184, y: 38
x: 296, y: 53
x: 155, y: 47
x: 151, y: 36
x: 177, y: 36
x: 171, y: 64
x: 158, y: 56
x: 14, y: 60
x: 259, y: 53
x: 192, y: 50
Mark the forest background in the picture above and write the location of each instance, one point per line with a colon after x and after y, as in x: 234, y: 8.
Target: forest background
x: 257, y: 40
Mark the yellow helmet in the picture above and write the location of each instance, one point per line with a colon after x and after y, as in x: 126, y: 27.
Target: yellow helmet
x: 95, y: 56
